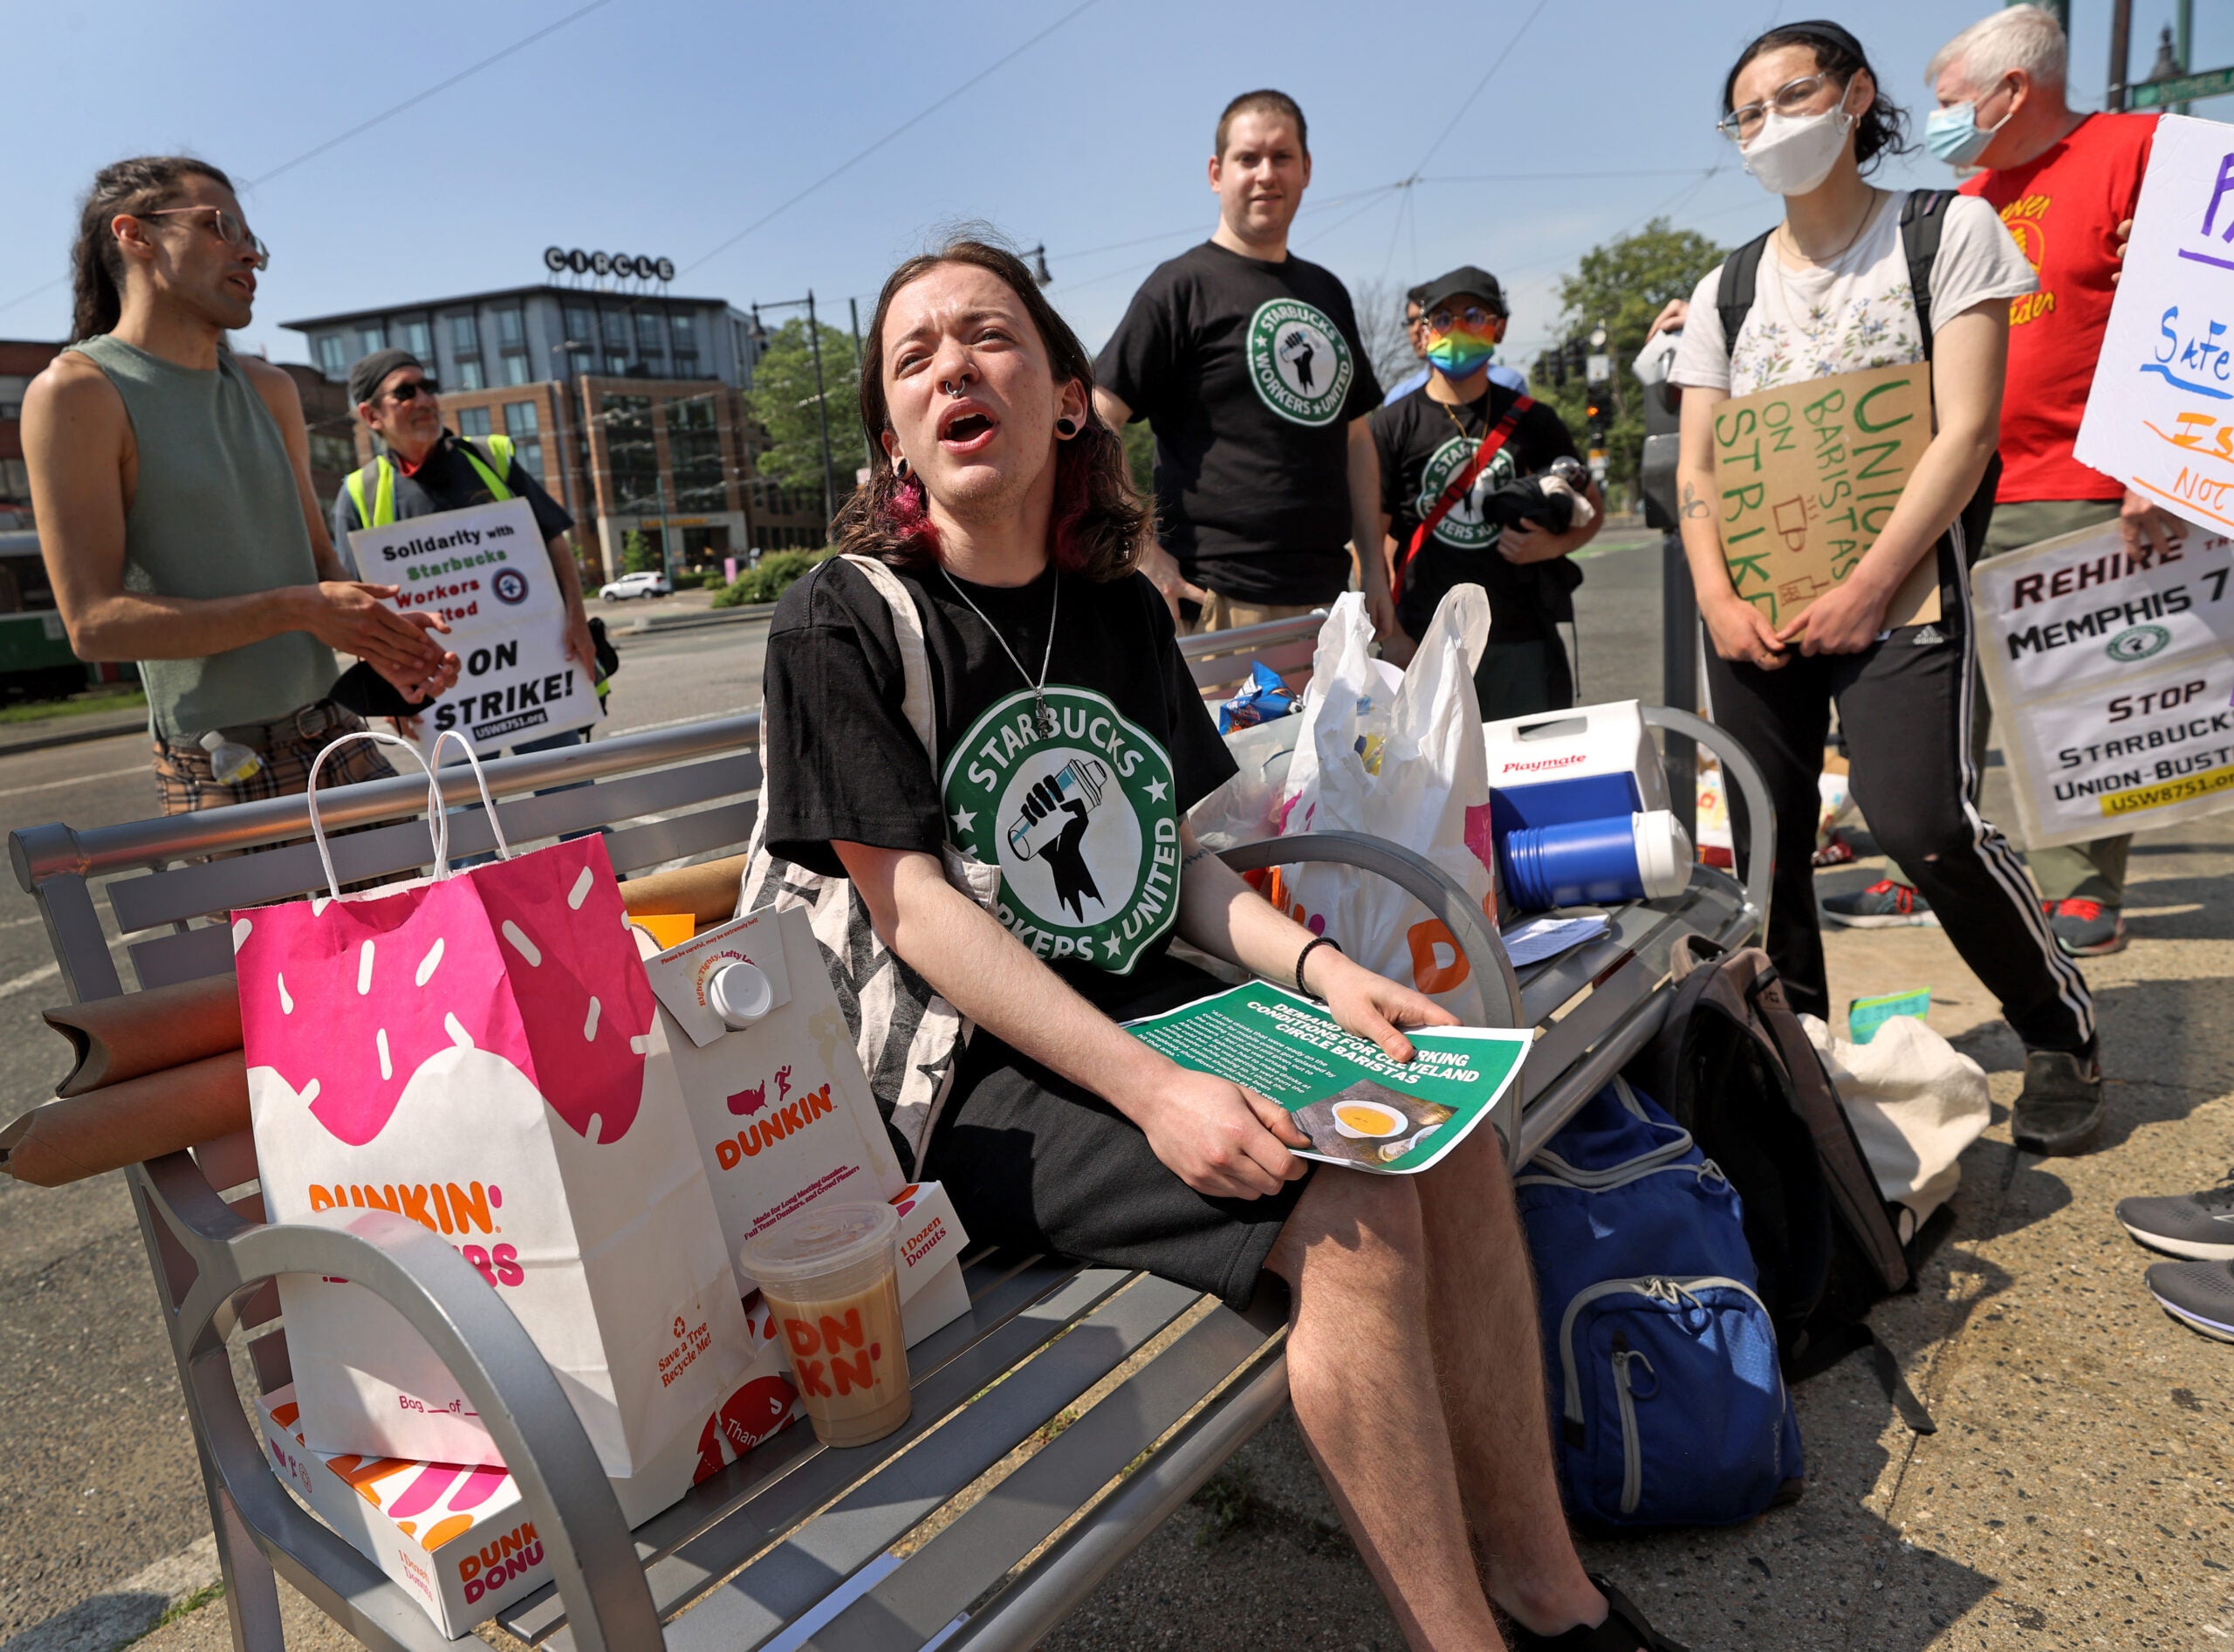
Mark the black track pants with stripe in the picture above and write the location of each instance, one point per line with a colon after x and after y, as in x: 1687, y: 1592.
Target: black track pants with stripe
x: 1905, y: 708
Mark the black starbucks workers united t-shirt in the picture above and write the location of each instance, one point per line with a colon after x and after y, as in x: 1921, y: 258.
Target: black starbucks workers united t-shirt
x: 1422, y: 444
x: 1083, y: 821
x: 1251, y: 373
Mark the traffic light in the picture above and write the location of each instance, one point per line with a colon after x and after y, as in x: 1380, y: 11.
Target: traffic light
x: 1578, y: 357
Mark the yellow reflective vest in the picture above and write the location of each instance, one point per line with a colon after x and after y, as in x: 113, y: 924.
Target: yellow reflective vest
x: 382, y: 471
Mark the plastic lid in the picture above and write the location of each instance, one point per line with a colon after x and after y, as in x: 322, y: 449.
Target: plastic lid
x: 739, y: 993
x: 821, y: 1240
x: 1664, y: 853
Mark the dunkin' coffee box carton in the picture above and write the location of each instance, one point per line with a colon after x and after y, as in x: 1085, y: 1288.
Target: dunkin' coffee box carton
x: 774, y: 1088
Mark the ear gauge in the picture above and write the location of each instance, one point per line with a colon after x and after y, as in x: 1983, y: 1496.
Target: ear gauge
x: 1067, y: 428
x: 900, y: 467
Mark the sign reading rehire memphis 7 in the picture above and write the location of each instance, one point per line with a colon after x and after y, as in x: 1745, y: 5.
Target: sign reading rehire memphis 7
x: 486, y: 572
x: 2111, y: 673
x: 2160, y: 415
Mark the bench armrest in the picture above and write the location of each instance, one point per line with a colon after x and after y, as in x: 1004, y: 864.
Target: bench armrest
x: 593, y: 1560
x: 1738, y: 764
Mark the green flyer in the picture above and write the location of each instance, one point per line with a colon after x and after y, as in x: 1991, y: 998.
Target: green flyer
x: 1359, y: 1108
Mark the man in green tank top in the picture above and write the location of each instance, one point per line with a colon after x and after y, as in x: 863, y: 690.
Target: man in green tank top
x: 171, y: 483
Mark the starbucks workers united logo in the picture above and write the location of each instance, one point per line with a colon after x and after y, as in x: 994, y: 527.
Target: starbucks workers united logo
x: 1299, y: 361
x: 1464, y: 524
x: 1081, y: 822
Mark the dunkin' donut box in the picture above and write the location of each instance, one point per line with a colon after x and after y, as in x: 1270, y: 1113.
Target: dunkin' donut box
x: 458, y: 1539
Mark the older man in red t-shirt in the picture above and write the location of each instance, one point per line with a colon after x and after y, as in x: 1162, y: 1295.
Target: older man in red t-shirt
x: 2063, y: 183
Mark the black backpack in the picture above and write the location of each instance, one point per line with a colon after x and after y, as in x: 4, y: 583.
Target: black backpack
x: 1923, y: 220
x: 1732, y: 1065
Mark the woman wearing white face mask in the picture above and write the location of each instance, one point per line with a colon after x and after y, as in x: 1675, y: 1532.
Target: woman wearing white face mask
x: 1856, y: 278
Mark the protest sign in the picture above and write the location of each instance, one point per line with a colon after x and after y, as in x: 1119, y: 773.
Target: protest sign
x: 1805, y: 478
x: 2160, y: 414
x: 484, y: 569
x: 2111, y: 673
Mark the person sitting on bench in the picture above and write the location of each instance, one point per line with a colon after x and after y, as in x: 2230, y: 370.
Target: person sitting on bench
x: 1072, y: 743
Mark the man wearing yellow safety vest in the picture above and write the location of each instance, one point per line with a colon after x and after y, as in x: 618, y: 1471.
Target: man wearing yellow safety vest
x: 427, y: 469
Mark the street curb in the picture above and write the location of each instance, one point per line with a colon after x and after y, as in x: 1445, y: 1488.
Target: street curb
x: 71, y: 736
x: 651, y: 628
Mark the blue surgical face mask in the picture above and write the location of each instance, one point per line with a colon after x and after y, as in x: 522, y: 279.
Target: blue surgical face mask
x: 1955, y: 136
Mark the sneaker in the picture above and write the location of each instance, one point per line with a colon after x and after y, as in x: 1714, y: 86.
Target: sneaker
x: 1624, y: 1630
x: 2198, y: 1294
x: 2200, y: 1225
x: 2086, y: 929
x: 2061, y: 1106
x: 1835, y: 852
x: 1883, y: 905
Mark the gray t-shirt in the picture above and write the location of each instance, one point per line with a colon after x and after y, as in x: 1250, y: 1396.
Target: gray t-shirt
x: 1855, y: 313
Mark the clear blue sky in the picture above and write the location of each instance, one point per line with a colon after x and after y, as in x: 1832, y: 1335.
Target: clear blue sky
x: 665, y: 127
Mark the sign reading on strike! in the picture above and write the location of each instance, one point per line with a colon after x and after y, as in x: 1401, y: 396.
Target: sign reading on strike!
x: 2111, y: 673
x: 2160, y: 414
x: 1805, y: 478
x: 486, y: 572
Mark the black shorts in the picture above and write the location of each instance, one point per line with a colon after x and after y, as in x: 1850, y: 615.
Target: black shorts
x: 1033, y: 1160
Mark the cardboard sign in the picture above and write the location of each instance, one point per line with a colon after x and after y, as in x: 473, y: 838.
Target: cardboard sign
x: 485, y: 570
x: 2111, y: 674
x: 1805, y: 478
x: 2160, y: 414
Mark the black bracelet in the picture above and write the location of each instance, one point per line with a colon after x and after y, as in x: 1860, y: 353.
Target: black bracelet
x: 1308, y: 946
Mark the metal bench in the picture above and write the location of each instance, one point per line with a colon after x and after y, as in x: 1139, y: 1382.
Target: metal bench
x: 1145, y: 1387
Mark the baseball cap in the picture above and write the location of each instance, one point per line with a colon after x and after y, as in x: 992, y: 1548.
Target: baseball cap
x: 1466, y: 278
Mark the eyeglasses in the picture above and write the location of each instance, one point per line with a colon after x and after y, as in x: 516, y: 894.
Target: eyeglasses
x: 414, y: 390
x: 1789, y: 98
x: 1474, y: 315
x: 229, y: 230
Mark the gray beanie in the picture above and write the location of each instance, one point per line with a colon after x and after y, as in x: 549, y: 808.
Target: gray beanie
x: 367, y: 377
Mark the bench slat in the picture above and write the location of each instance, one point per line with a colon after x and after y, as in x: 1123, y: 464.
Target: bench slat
x: 777, y: 1588
x: 726, y: 826
x: 189, y: 954
x: 1284, y: 658
x: 950, y: 1571
x: 999, y: 1290
x: 276, y: 874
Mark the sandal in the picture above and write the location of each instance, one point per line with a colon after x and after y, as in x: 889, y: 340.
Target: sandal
x: 1624, y: 1630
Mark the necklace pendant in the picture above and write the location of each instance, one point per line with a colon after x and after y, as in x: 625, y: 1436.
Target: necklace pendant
x: 1048, y: 725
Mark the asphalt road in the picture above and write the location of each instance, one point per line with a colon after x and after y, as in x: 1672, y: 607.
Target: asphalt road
x: 98, y: 1480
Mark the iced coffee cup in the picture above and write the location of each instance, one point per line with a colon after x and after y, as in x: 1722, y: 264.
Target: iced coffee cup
x: 832, y: 1286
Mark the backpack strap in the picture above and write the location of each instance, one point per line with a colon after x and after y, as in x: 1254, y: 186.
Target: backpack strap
x: 914, y: 658
x: 1923, y: 220
x: 1741, y: 275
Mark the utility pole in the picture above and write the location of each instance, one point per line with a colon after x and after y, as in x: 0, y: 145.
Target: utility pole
x: 854, y: 307
x: 822, y: 414
x: 2120, y: 49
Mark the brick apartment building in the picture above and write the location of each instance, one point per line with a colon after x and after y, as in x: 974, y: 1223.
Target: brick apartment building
x: 21, y: 360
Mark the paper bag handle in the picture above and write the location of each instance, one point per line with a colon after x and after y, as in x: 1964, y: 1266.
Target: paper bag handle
x: 438, y: 824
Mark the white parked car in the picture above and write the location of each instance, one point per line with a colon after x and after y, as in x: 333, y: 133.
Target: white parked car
x: 636, y: 585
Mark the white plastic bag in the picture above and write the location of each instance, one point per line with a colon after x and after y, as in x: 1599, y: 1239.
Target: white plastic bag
x: 1916, y: 1101
x: 1405, y: 765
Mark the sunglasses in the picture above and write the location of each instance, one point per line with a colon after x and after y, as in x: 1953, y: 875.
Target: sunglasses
x: 413, y: 391
x: 227, y: 229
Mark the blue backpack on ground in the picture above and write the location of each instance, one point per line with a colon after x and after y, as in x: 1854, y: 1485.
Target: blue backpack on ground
x: 1668, y: 1404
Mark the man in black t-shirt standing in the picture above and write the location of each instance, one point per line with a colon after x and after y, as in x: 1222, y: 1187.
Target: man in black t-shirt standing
x: 1249, y: 364
x: 1424, y: 441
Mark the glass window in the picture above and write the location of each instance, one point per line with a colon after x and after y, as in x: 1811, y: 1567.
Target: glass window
x: 515, y: 369
x: 633, y: 455
x: 473, y: 421
x: 512, y: 330
x: 581, y: 324
x: 12, y: 386
x: 465, y: 338
x: 419, y: 338
x: 616, y: 365
x: 616, y: 331
x: 470, y: 376
x: 651, y: 335
x: 530, y: 454
x: 520, y: 419
x: 371, y: 337
x: 15, y: 481
x: 685, y: 337
x: 694, y: 446
x: 332, y: 356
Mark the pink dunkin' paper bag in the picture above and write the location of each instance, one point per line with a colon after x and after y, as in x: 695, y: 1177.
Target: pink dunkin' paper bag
x: 481, y: 1053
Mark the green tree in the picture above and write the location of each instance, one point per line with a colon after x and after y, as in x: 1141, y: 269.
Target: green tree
x: 782, y: 402
x: 1623, y: 284
x: 636, y: 553
x: 1140, y: 454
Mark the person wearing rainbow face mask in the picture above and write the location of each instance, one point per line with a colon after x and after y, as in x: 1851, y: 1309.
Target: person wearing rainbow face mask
x: 1464, y: 500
